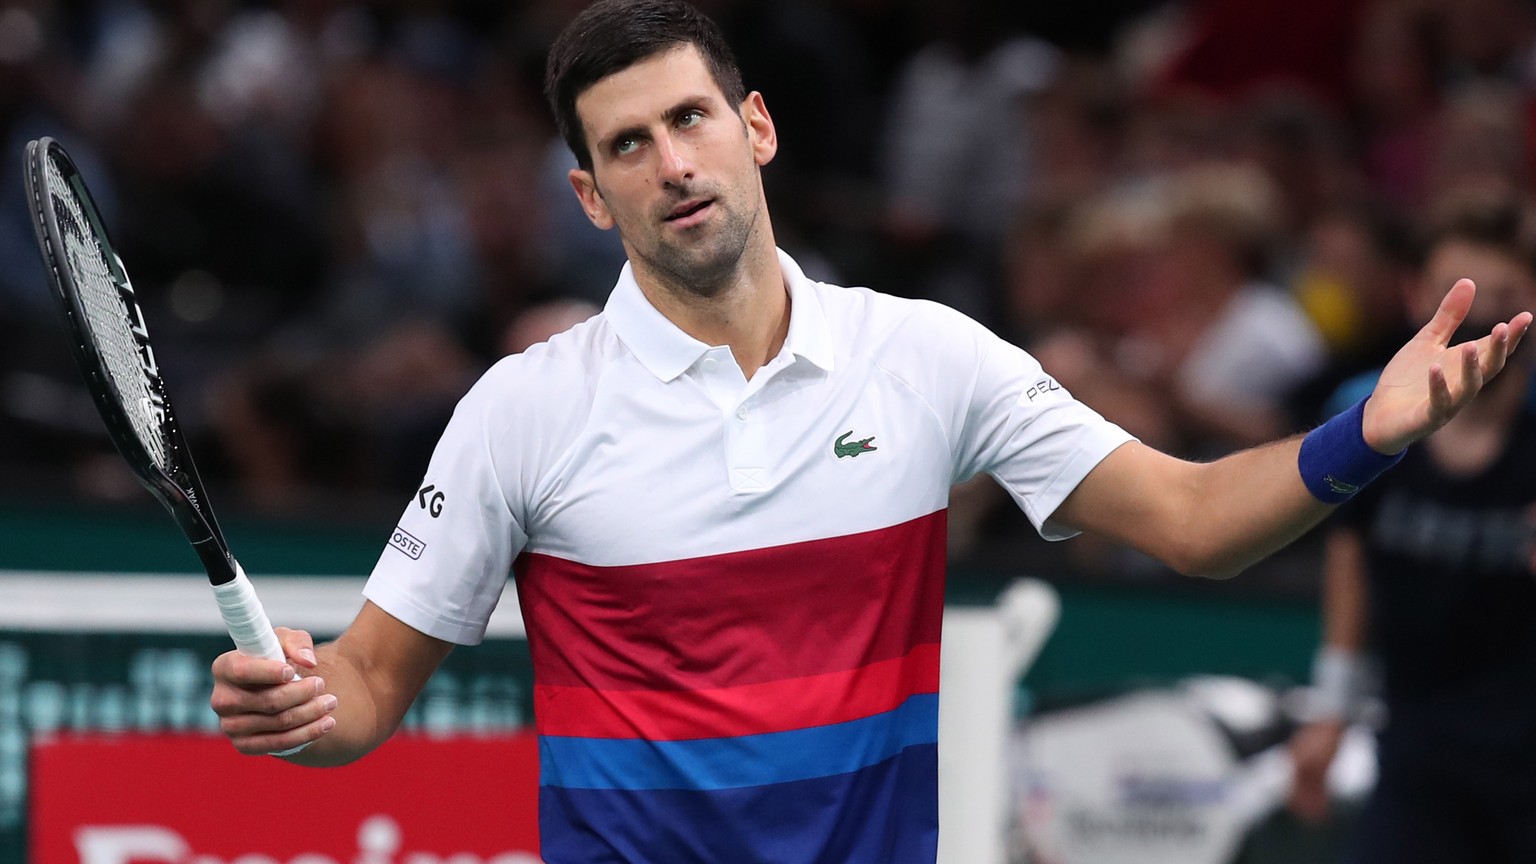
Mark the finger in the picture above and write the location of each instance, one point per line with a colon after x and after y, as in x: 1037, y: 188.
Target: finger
x: 1471, y: 374
x: 1453, y: 310
x: 298, y: 646
x: 231, y: 701
x: 274, y: 742
x: 1439, y: 393
x: 1493, y: 350
x: 246, y: 725
x: 244, y: 670
x: 1518, y: 327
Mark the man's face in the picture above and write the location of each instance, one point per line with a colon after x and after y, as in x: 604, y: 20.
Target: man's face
x: 674, y: 167
x: 1505, y: 286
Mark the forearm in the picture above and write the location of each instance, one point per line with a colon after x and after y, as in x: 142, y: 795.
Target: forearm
x: 1215, y: 519
x: 1339, y: 674
x: 1259, y: 500
x: 375, y: 670
x: 1345, y: 598
x: 1245, y: 507
x: 1211, y: 519
x: 361, y: 725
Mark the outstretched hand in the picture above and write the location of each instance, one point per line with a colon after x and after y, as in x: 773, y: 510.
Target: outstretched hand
x: 1429, y: 380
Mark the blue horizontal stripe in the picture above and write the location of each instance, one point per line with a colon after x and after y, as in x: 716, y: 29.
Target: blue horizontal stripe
x: 748, y: 760
x: 887, y: 813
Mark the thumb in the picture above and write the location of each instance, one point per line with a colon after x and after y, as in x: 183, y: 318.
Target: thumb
x: 298, y: 646
x: 1453, y: 310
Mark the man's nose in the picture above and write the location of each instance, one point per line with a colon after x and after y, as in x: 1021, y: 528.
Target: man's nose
x: 675, y: 169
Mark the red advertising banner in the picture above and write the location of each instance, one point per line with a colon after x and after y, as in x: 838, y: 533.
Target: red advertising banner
x: 191, y: 799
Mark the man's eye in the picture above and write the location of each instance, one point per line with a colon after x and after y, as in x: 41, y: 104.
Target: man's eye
x: 625, y: 145
x: 690, y: 118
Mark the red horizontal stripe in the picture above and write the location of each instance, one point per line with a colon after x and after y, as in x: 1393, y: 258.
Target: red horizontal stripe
x: 751, y: 709
x: 723, y: 621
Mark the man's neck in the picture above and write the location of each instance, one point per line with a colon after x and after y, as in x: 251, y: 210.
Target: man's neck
x: 750, y: 314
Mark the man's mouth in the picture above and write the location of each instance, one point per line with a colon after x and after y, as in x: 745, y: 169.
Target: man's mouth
x: 688, y: 208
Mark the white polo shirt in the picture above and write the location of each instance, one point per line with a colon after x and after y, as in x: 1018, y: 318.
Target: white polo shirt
x: 704, y: 559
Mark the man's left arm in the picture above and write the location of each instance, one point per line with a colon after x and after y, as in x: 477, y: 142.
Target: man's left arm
x: 1215, y: 519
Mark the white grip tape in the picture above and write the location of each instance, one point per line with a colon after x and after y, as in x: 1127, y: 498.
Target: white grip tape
x: 246, y: 620
x: 248, y: 625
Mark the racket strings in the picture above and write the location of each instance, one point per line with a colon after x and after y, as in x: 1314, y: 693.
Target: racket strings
x: 107, y: 316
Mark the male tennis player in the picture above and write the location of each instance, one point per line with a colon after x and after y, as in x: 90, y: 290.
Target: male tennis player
x: 724, y: 497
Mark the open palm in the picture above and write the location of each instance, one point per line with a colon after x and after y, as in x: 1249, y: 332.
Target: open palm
x: 1428, y: 381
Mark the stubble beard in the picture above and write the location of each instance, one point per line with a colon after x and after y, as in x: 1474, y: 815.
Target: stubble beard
x: 707, y: 266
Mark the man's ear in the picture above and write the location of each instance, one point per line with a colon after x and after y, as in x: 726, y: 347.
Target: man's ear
x: 591, y: 199
x: 760, y: 131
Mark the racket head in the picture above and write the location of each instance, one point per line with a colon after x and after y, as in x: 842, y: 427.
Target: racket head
x: 110, y: 344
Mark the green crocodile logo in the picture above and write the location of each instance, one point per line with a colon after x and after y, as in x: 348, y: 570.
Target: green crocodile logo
x: 1340, y: 486
x: 852, y: 448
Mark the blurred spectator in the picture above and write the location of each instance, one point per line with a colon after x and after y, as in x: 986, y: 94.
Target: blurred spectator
x: 956, y: 153
x: 404, y: 240
x: 1354, y: 262
x: 1304, y: 151
x: 47, y: 424
x: 1233, y: 48
x: 275, y: 443
x: 574, y: 254
x: 1182, y: 331
x: 295, y: 427
x: 1394, y: 95
x: 1037, y: 292
x: 1488, y: 39
x: 1240, y: 344
x: 1431, y: 570
x: 1077, y: 121
x: 1083, y: 309
x: 1477, y: 142
x: 537, y: 323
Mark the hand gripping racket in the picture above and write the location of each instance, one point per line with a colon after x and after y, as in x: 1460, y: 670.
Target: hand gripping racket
x: 111, y: 344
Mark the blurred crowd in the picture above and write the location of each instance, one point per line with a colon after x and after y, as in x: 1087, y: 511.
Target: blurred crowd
x: 1199, y: 215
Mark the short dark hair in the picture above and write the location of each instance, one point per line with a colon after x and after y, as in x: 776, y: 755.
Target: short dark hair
x: 612, y: 35
x: 1493, y: 219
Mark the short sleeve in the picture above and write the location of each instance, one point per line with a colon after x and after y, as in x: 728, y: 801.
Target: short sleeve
x: 1022, y: 427
x: 449, y: 557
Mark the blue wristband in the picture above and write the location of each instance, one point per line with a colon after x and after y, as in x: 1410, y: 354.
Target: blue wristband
x: 1336, y: 462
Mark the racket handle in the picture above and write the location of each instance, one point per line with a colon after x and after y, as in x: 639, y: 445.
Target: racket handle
x: 248, y: 626
x: 246, y: 620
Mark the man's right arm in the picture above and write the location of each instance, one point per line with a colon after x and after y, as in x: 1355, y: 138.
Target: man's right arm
x: 351, y: 699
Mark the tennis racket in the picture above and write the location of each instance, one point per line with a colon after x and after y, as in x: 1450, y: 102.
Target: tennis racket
x: 111, y: 344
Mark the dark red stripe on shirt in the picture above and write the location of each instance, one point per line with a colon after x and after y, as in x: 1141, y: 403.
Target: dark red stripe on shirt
x: 750, y: 617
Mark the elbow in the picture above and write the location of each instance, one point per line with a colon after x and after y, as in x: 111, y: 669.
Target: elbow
x: 1204, y: 561
x: 1196, y: 541
x: 1215, y: 570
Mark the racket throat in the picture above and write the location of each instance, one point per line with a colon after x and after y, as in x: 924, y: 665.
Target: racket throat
x: 219, y: 564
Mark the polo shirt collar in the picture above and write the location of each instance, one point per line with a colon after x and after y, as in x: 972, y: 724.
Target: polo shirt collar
x: 668, y: 352
x: 810, y: 335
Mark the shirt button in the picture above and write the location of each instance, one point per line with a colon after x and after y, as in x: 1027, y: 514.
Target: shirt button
x: 709, y: 364
x: 742, y: 412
